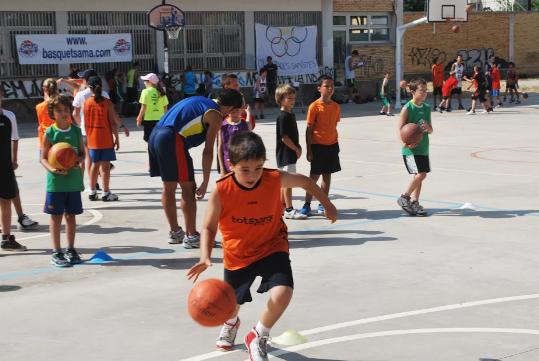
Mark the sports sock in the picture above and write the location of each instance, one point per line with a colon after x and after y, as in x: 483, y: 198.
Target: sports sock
x: 232, y: 321
x: 290, y: 209
x: 261, y: 329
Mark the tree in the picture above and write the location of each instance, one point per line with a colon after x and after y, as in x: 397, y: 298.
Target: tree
x: 416, y: 5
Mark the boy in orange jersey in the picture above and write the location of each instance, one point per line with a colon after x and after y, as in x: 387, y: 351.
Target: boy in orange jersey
x: 437, y: 80
x: 247, y: 208
x: 322, y: 140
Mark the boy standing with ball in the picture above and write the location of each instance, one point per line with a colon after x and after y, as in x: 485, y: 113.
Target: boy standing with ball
x: 246, y: 206
x: 64, y: 187
x: 416, y: 156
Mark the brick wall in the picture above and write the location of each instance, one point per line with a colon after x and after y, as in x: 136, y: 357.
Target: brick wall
x: 483, y: 35
x: 363, y: 5
x: 527, y: 42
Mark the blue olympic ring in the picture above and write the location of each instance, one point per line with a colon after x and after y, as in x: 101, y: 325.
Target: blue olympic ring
x: 283, y: 43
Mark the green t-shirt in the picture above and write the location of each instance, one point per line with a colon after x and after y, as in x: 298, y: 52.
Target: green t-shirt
x: 72, y: 182
x: 418, y: 115
x: 155, y: 104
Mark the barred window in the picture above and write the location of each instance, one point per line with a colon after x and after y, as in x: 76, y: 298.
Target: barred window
x: 363, y: 28
x: 210, y: 40
x: 14, y: 23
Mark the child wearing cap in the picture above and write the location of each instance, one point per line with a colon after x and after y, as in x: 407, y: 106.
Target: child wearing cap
x: 153, y: 104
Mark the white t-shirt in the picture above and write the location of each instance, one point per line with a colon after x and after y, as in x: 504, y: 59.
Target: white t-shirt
x: 78, y: 102
x: 13, y: 119
x: 459, y: 72
x: 348, y: 72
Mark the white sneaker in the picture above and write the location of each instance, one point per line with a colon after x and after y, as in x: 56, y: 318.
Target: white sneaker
x: 256, y: 346
x: 471, y: 112
x: 484, y: 111
x: 294, y: 214
x: 109, y: 197
x: 227, y: 336
x: 176, y: 237
x: 193, y: 241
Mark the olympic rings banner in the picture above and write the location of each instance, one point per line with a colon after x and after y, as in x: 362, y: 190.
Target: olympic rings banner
x: 293, y: 49
x: 73, y: 48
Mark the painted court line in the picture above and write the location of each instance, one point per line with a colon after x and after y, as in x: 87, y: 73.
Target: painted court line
x: 392, y: 316
x: 419, y: 331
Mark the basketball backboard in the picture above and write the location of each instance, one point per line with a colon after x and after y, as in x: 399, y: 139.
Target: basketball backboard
x: 163, y: 16
x: 447, y: 10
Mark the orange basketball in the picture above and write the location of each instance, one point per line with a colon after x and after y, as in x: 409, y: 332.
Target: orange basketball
x: 411, y: 133
x: 403, y: 84
x: 211, y: 302
x: 62, y: 156
x: 455, y: 28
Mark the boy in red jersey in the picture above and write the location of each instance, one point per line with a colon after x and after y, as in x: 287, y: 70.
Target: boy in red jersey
x: 246, y: 206
x: 447, y: 88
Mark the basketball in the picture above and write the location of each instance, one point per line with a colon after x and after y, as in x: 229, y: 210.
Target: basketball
x: 62, y: 156
x: 211, y: 302
x: 455, y: 28
x: 403, y: 84
x: 411, y: 133
x: 525, y: 95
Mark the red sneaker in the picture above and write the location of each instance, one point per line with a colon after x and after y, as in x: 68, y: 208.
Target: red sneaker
x: 256, y: 346
x: 227, y: 336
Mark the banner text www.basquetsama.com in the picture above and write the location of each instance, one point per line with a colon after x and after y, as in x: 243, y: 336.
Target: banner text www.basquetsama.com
x: 75, y: 54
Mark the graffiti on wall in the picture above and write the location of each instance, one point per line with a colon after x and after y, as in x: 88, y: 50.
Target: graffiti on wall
x: 426, y: 56
x: 372, y: 66
x: 22, y: 89
x: 470, y: 57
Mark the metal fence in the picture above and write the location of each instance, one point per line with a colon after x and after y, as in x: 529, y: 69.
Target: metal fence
x: 13, y: 23
x: 113, y: 22
x: 210, y: 40
x: 294, y: 18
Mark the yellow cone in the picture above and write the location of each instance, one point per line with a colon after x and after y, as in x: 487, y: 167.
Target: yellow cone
x: 289, y: 338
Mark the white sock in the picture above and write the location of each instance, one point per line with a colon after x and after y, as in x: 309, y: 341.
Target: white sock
x: 232, y: 321
x: 92, y: 192
x: 261, y: 329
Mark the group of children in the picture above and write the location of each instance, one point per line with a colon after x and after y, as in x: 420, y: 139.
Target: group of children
x: 249, y: 201
x: 485, y: 85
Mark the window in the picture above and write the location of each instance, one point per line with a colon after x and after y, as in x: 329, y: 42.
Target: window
x: 363, y: 28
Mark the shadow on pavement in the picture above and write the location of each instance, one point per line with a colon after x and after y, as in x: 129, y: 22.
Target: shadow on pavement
x: 9, y: 288
x: 329, y: 241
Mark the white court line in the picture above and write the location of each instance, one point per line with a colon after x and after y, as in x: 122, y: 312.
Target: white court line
x: 391, y: 316
x: 418, y: 331
x: 448, y: 169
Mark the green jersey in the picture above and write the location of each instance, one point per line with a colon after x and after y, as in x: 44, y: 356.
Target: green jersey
x: 418, y: 115
x: 155, y: 104
x: 72, y: 182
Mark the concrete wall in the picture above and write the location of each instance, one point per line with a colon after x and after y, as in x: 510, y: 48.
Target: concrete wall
x: 142, y: 5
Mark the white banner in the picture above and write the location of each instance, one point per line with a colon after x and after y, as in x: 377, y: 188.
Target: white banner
x: 74, y: 48
x: 293, y: 49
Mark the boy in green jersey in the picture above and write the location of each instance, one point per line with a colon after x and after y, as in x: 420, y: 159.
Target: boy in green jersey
x: 64, y: 187
x: 416, y: 156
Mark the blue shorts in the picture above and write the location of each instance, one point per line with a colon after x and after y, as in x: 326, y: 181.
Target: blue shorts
x: 58, y: 203
x: 495, y: 92
x: 102, y: 155
x: 169, y: 156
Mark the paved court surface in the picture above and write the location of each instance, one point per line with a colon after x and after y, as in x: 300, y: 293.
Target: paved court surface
x: 376, y: 285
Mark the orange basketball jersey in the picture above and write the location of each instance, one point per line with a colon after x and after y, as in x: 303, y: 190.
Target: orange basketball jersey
x: 97, y: 124
x: 251, y: 220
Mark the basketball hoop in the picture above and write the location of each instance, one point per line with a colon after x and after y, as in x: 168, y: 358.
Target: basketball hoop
x: 173, y: 31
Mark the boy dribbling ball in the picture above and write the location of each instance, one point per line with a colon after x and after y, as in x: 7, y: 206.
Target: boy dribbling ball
x: 416, y: 156
x: 247, y: 209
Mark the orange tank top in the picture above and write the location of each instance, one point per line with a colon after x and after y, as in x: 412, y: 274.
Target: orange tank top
x: 97, y: 124
x: 43, y: 119
x: 251, y: 221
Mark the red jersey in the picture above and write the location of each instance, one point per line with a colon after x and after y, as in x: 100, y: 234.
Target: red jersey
x: 98, y: 124
x: 449, y: 85
x: 437, y: 75
x: 495, y: 74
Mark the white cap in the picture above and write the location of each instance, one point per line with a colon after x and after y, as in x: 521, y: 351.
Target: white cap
x: 152, y: 78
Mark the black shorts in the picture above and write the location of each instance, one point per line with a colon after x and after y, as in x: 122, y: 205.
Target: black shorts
x: 479, y: 95
x: 148, y: 127
x: 445, y: 97
x: 325, y: 159
x: 417, y: 163
x: 8, y: 183
x: 511, y: 86
x: 259, y: 100
x: 456, y: 91
x: 437, y: 91
x: 350, y: 83
x: 274, y: 269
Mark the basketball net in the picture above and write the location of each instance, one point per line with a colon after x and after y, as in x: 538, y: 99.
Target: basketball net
x: 173, y: 31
